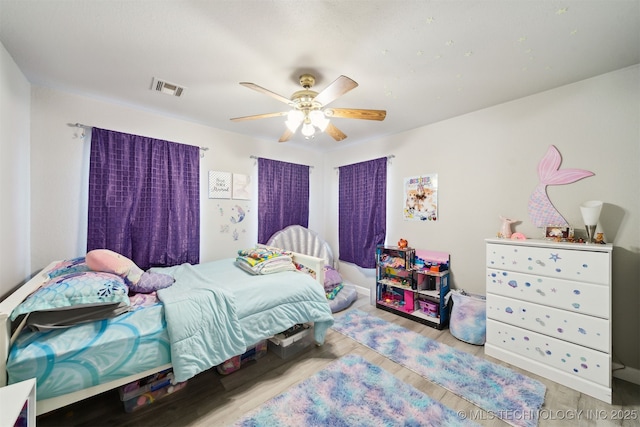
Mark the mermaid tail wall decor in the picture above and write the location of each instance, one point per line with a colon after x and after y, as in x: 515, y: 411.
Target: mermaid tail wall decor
x: 541, y: 210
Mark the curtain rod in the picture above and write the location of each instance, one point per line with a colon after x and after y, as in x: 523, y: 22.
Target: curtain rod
x: 256, y: 157
x: 389, y: 157
x: 80, y: 125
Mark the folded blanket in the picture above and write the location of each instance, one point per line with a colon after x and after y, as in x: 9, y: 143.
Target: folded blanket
x: 259, y: 254
x: 269, y: 266
x: 263, y: 260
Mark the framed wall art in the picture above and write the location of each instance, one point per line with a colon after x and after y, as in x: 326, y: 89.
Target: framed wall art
x: 241, y: 189
x: 219, y: 185
x: 557, y: 232
x: 421, y: 198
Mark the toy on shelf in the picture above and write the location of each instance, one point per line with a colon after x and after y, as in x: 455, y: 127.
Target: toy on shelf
x: 391, y: 261
x: 435, y: 266
x: 402, y: 243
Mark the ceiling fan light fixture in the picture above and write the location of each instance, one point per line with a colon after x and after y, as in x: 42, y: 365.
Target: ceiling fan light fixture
x: 308, y: 130
x: 307, y: 108
x: 292, y: 125
x: 295, y: 115
x: 294, y: 119
x: 318, y: 119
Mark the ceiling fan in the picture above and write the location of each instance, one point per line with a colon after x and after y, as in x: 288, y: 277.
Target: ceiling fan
x: 309, y: 108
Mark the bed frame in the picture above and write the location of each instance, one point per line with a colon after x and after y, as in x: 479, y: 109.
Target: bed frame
x: 47, y: 405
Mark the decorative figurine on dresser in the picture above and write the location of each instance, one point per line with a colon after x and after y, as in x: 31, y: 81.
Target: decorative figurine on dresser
x: 549, y: 310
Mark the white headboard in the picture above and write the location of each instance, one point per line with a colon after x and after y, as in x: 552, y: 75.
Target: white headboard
x: 297, y: 238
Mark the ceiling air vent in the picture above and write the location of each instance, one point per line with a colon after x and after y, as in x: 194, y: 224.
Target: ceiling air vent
x: 166, y: 87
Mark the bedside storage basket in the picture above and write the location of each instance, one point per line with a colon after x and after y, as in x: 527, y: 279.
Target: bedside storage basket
x: 468, y: 320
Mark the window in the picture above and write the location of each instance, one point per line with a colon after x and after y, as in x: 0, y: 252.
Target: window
x: 283, y: 196
x: 144, y: 199
x: 362, y: 211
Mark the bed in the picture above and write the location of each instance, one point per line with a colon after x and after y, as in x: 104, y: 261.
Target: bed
x: 300, y: 239
x: 77, y: 362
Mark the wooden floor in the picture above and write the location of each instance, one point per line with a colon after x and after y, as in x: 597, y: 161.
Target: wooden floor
x: 211, y: 399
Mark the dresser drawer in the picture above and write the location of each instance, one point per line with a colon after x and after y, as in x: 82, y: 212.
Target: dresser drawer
x: 579, y: 329
x: 579, y: 361
x: 581, y: 265
x: 577, y: 297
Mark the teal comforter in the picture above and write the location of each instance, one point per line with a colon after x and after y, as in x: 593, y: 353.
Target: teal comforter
x: 215, y: 310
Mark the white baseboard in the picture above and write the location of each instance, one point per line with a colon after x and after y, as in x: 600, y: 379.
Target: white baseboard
x: 631, y: 375
x: 362, y: 291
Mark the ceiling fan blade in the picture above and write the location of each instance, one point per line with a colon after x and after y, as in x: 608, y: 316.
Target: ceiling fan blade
x: 334, y: 132
x: 353, y: 113
x: 336, y: 89
x: 286, y: 136
x: 259, y: 116
x: 266, y: 92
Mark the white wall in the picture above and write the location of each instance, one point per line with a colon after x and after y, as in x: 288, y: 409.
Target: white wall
x: 60, y: 173
x: 15, y: 260
x: 486, y: 163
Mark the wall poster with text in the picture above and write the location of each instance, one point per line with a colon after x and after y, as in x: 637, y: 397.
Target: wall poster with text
x: 219, y: 185
x: 421, y: 198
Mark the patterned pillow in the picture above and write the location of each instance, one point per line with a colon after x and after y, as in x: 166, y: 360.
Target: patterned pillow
x: 75, y: 289
x: 150, y: 282
x: 74, y: 265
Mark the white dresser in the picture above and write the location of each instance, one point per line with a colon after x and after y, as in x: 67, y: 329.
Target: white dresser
x: 549, y: 311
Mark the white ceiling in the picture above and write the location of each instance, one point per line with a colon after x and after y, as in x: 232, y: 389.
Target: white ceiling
x: 422, y: 61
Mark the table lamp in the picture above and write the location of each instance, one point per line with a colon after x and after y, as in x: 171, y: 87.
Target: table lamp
x: 590, y: 215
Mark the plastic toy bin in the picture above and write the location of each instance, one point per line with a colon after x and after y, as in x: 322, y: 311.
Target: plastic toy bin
x: 146, y: 391
x: 253, y: 353
x: 429, y: 308
x: 287, y: 345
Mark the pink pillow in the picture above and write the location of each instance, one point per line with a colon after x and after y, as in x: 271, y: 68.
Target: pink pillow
x: 112, y: 262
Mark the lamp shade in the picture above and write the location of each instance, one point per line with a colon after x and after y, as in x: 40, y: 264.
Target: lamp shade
x: 591, y: 211
x: 308, y: 130
x: 318, y: 119
x: 294, y: 119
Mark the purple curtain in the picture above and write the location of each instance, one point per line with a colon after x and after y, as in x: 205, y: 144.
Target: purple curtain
x: 362, y: 211
x: 144, y: 199
x: 283, y: 198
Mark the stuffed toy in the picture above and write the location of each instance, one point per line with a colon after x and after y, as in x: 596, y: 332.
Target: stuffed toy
x: 112, y: 262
